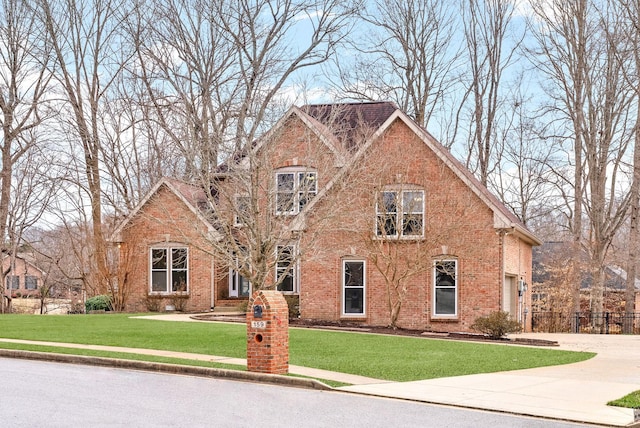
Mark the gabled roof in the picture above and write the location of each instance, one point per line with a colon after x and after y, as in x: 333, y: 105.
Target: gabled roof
x: 322, y: 132
x: 194, y: 198
x: 27, y: 258
x: 616, y: 278
x: 503, y: 217
x: 341, y: 127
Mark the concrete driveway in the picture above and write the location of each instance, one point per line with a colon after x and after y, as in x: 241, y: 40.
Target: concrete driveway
x: 574, y: 392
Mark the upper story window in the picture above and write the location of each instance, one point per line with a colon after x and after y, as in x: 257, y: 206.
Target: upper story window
x: 400, y: 213
x: 294, y: 189
x: 169, y: 268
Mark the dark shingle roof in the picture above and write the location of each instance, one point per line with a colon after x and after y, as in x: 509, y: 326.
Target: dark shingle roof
x: 351, y: 122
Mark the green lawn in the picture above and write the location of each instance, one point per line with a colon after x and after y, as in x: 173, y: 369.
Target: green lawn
x: 631, y: 401
x: 384, y: 357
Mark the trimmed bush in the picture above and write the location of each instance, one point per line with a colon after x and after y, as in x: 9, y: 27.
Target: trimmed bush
x: 293, y: 302
x: 496, y: 325
x: 98, y: 303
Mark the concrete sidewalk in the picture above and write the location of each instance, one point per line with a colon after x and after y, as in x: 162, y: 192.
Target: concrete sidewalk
x: 575, y: 392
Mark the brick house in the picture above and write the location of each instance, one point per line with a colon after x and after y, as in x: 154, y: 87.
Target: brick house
x: 22, y: 276
x: 384, y: 227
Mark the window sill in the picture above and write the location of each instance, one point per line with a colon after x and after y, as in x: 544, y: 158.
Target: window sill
x: 354, y: 317
x: 184, y: 294
x: 445, y: 319
x: 399, y: 238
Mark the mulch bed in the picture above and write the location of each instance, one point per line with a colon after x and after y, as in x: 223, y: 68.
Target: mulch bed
x: 342, y: 326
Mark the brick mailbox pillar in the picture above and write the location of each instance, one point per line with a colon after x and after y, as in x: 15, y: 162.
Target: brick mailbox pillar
x: 268, y: 333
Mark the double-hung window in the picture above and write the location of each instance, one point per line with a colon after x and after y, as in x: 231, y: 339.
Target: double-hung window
x: 294, y: 189
x: 169, y: 270
x: 353, y: 287
x: 286, y: 278
x: 31, y: 282
x: 13, y: 282
x: 400, y: 213
x: 445, y: 288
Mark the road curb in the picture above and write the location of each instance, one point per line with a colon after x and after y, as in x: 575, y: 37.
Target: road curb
x: 166, y: 368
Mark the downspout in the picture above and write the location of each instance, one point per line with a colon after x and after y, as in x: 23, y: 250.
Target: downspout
x: 501, y: 234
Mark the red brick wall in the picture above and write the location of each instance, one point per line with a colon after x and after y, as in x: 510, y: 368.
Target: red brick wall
x: 456, y: 218
x: 166, y: 220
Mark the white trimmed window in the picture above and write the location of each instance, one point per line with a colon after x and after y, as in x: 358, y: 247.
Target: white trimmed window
x: 31, y: 282
x: 400, y: 213
x: 286, y: 269
x: 353, y: 288
x: 169, y: 270
x: 445, y: 288
x: 294, y: 189
x: 13, y: 282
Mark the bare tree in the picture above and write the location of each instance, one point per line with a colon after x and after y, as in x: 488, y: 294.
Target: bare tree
x: 408, y: 56
x: 213, y: 73
x: 487, y: 27
x: 526, y: 162
x: 213, y: 69
x: 588, y: 92
x: 24, y: 81
x: 405, y: 246
x: 631, y: 9
x: 90, y: 53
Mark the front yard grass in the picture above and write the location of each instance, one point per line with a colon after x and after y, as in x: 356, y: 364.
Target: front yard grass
x: 395, y: 358
x: 631, y: 401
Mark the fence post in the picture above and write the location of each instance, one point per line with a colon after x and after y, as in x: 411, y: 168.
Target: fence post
x: 576, y: 323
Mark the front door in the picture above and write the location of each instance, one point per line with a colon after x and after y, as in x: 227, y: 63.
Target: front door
x: 239, y: 286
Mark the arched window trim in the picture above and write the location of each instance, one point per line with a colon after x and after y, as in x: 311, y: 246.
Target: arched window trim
x: 294, y: 188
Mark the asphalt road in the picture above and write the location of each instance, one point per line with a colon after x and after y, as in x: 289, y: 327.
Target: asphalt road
x: 45, y: 394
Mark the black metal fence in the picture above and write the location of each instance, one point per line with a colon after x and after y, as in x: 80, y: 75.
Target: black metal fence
x: 586, y: 322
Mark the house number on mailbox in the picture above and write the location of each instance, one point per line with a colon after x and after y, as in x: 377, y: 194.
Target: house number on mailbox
x: 258, y: 324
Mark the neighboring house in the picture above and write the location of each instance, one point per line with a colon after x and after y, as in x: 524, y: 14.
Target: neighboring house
x: 369, y: 196
x: 551, y: 290
x: 22, y: 276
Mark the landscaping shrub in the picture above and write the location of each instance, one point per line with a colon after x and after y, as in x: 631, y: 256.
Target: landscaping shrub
x: 76, y: 308
x: 179, y: 302
x: 153, y: 303
x: 98, y: 303
x: 496, y: 325
x: 293, y: 302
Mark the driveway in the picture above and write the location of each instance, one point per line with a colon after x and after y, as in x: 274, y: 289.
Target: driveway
x: 574, y: 392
